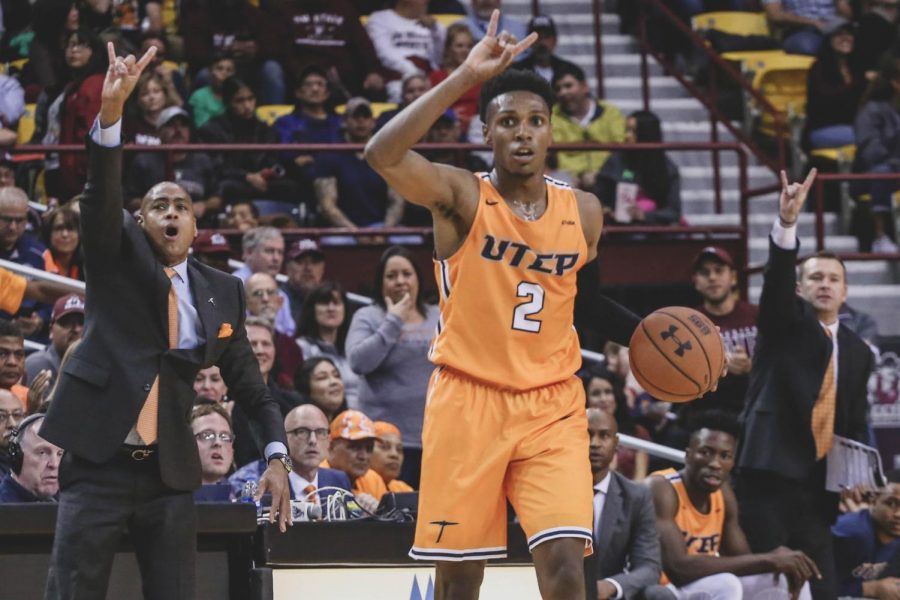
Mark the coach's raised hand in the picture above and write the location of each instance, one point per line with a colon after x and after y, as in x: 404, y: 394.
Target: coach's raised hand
x: 496, y: 51
x: 793, y: 196
x: 121, y: 77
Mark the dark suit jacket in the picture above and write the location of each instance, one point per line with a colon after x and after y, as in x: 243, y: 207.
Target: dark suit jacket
x: 626, y: 537
x: 104, y: 384
x: 792, y: 354
x: 556, y: 63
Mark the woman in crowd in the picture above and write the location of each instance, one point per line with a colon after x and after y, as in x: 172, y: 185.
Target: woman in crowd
x: 834, y: 88
x: 641, y: 186
x: 209, y: 385
x: 604, y: 392
x: 322, y: 331
x: 457, y: 45
x: 211, y: 426
x: 387, y: 456
x: 154, y: 94
x: 877, y: 129
x: 319, y: 382
x: 59, y: 232
x: 388, y: 345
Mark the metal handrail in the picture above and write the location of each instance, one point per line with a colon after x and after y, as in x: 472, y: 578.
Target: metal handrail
x: 821, y: 178
x: 651, y: 448
x: 597, y: 7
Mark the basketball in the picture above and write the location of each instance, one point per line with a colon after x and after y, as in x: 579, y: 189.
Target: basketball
x: 676, y: 354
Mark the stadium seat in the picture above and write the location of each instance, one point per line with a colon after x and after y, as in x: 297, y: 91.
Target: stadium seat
x: 445, y: 20
x: 782, y: 81
x: 733, y: 22
x: 377, y: 108
x: 842, y: 155
x: 270, y: 112
x: 26, y: 125
x: 274, y: 207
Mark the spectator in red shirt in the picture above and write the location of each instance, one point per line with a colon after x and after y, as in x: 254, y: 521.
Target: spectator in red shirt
x: 457, y: 45
x: 154, y: 94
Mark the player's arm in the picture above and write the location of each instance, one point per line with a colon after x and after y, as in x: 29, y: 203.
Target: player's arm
x: 683, y: 568
x: 615, y: 322
x: 439, y: 187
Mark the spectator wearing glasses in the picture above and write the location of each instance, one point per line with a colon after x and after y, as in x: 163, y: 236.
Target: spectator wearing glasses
x: 263, y: 252
x: 11, y: 414
x: 59, y: 232
x: 265, y: 299
x: 211, y: 389
x: 215, y: 444
x: 308, y: 435
x: 66, y: 326
x: 18, y: 247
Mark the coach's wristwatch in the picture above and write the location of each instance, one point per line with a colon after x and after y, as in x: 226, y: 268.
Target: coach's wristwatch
x: 285, y: 460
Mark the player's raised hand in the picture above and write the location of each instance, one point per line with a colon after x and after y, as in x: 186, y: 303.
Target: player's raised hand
x: 496, y: 50
x: 121, y: 78
x: 793, y: 196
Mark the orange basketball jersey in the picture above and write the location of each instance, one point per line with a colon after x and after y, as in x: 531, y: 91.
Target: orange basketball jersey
x: 702, y: 532
x: 508, y: 293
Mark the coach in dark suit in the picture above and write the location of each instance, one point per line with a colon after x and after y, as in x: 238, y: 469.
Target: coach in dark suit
x: 122, y: 408
x: 624, y: 525
x: 808, y: 383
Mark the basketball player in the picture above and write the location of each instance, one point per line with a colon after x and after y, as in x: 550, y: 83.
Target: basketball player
x: 505, y: 415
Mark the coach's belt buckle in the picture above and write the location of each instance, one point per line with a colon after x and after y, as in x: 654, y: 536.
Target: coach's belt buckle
x: 141, y: 454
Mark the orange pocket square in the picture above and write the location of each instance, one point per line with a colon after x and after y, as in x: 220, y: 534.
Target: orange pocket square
x: 225, y: 330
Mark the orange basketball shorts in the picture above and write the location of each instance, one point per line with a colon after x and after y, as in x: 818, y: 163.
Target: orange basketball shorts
x: 482, y: 445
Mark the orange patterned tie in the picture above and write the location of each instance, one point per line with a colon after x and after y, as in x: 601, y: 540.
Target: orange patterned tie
x: 823, y: 411
x: 309, y: 490
x: 147, y: 419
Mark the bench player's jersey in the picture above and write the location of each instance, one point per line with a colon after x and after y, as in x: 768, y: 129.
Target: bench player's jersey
x: 508, y: 293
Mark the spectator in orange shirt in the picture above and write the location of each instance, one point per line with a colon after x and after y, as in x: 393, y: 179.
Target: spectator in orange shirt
x: 59, y: 232
x: 15, y: 288
x: 387, y: 456
x: 352, y: 443
x: 12, y: 360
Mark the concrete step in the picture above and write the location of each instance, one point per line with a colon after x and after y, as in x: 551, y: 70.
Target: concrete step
x: 761, y: 224
x: 702, y: 202
x: 701, y: 177
x: 759, y: 247
x: 693, y: 131
x: 667, y: 109
x: 628, y: 88
x: 859, y: 273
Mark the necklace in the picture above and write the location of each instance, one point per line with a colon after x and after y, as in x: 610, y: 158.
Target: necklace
x: 528, y: 211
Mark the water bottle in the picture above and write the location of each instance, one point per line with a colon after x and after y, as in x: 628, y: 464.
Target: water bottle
x: 248, y: 493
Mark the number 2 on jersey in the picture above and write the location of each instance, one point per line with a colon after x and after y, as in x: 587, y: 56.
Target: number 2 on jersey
x: 523, y: 314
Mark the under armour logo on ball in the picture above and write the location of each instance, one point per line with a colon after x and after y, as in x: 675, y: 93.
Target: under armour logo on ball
x: 670, y: 333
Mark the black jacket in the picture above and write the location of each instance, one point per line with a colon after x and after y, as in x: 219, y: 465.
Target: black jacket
x: 125, y: 346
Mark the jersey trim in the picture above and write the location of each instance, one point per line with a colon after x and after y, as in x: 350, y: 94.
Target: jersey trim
x: 560, y: 532
x: 457, y: 555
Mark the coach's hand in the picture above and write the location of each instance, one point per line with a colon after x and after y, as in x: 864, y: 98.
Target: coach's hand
x: 793, y: 196
x: 121, y: 77
x: 275, y: 480
x: 496, y: 50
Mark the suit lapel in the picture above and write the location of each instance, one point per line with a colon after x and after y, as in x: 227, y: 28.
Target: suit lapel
x: 206, y: 310
x: 611, y: 515
x: 844, y: 374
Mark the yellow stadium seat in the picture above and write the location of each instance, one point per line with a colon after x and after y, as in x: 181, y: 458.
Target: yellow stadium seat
x: 844, y: 154
x: 270, y: 112
x: 733, y: 22
x: 26, y: 125
x: 377, y: 108
x: 172, y: 65
x: 784, y: 86
x: 18, y: 65
x: 448, y: 19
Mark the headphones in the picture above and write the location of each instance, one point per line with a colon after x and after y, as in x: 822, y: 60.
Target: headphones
x: 15, y: 441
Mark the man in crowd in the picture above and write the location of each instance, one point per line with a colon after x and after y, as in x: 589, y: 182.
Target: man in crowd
x: 867, y: 548
x: 352, y: 442
x: 264, y: 300
x: 804, y: 20
x: 11, y: 414
x: 263, y: 252
x: 578, y: 117
x: 704, y: 550
x: 542, y: 60
x: 807, y: 385
x: 66, y: 326
x: 349, y: 192
x: 7, y: 170
x: 411, y: 87
x: 36, y: 477
x: 480, y: 15
x: 624, y: 525
x: 262, y: 339
x: 19, y: 247
x: 715, y: 279
x: 242, y: 215
x: 307, y: 431
x: 12, y: 360
x: 211, y: 425
x: 212, y: 249
x: 305, y: 268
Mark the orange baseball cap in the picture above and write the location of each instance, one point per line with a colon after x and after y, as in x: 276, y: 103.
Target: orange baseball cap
x: 352, y: 425
x: 383, y: 428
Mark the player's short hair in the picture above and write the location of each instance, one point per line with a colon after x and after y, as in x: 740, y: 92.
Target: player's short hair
x: 821, y: 254
x: 714, y: 420
x: 514, y: 80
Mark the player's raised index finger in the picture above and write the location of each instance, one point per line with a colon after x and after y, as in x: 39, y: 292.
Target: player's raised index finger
x: 147, y: 57
x: 784, y: 180
x: 111, y: 52
x: 809, y: 179
x: 492, y: 25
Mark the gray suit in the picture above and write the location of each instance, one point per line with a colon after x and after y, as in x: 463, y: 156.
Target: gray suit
x: 626, y: 545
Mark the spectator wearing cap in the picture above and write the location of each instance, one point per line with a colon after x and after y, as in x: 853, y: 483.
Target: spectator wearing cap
x: 802, y: 21
x: 308, y: 441
x: 305, y: 269
x: 834, y: 87
x: 7, y: 170
x: 12, y: 107
x: 352, y: 443
x: 876, y: 34
x: 195, y: 172
x: 60, y: 233
x: 349, y: 192
x: 36, y: 478
x: 263, y: 252
x: 407, y: 40
x: 206, y: 102
x: 265, y: 300
x: 387, y: 456
x: 542, y: 59
x: 154, y: 94
x: 715, y: 279
x: 457, y: 45
x: 330, y: 35
x: 12, y: 360
x: 579, y: 117
x: 411, y: 87
x: 66, y: 326
x: 212, y: 249
x: 480, y: 15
